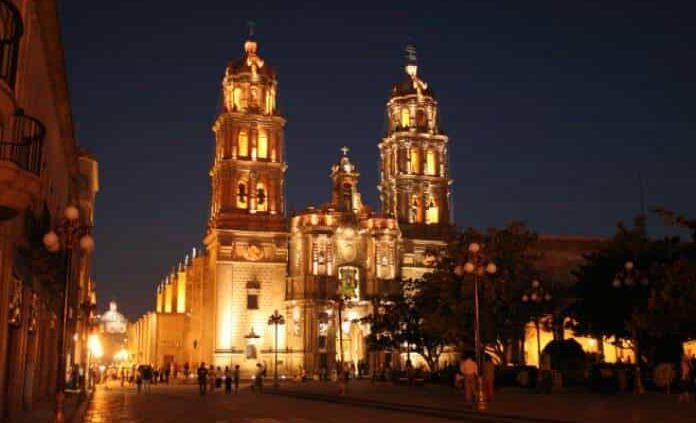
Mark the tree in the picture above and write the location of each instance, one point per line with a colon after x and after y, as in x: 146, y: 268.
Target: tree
x: 657, y: 307
x: 410, y: 317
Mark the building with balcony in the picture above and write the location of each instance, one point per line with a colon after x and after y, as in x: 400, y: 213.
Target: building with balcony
x: 42, y: 170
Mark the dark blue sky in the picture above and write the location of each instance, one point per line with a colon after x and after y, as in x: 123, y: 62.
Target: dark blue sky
x: 551, y: 108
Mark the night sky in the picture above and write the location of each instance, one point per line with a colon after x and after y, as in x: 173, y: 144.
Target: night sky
x: 552, y: 108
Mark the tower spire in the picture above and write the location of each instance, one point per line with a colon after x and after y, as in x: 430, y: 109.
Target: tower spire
x: 252, y: 26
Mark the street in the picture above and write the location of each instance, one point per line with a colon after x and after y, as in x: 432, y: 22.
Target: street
x: 181, y: 403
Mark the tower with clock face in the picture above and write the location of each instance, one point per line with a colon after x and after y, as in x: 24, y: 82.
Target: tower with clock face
x: 247, y: 240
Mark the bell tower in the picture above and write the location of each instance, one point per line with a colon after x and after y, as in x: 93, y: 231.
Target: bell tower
x: 414, y: 176
x: 247, y: 175
x: 345, y: 196
x: 247, y: 239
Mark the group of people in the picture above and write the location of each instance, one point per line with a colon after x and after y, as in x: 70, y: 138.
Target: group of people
x: 211, y: 378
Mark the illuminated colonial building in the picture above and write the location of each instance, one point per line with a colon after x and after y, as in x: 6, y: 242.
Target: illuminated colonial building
x: 320, y: 266
x: 42, y: 170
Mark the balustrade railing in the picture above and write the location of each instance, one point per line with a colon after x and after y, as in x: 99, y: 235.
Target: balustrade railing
x: 21, y: 141
x: 11, y: 29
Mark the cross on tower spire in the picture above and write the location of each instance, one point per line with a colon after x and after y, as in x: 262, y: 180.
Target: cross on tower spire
x: 252, y: 26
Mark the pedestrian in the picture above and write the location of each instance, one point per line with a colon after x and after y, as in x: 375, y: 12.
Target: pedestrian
x: 469, y: 371
x: 123, y: 376
x: 258, y: 378
x: 138, y: 380
x: 228, y: 380
x: 202, y: 378
x: 488, y: 373
x: 147, y: 377
x: 236, y: 378
x: 685, y: 374
x: 218, y: 377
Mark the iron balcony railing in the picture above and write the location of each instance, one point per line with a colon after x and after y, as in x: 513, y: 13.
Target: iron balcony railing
x: 21, y: 141
x: 11, y: 29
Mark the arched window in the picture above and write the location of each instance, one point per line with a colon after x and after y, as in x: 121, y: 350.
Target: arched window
x: 432, y: 213
x: 262, y: 144
x: 243, y: 144
x: 254, y: 97
x: 242, y: 196
x: 405, y: 118
x: 269, y: 102
x: 414, y: 215
x: 421, y: 119
x: 261, y: 197
x: 237, y: 98
x: 430, y: 162
x: 414, y: 160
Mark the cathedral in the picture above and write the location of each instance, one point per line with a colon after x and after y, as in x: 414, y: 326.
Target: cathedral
x: 317, y: 267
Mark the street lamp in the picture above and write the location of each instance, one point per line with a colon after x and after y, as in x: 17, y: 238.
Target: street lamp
x: 478, y: 266
x: 536, y: 296
x: 630, y: 277
x: 276, y: 319
x: 67, y: 235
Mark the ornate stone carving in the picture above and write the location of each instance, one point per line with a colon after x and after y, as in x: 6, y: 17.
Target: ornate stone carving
x: 15, y: 307
x: 33, y: 313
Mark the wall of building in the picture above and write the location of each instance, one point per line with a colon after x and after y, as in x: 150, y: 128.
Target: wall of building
x: 29, y: 276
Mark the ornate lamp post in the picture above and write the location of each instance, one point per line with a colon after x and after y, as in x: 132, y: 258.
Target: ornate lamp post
x: 276, y: 319
x: 631, y: 278
x: 537, y: 297
x: 66, y: 236
x: 478, y: 266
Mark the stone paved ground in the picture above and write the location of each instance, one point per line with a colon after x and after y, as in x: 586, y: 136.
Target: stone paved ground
x: 577, y: 406
x: 181, y: 403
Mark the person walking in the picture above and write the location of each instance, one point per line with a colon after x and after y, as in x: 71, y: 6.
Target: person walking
x: 258, y: 378
x: 138, y: 379
x: 228, y: 380
x: 202, y: 378
x: 469, y: 370
x: 236, y: 378
x: 685, y: 375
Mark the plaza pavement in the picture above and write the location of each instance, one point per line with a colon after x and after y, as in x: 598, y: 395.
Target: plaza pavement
x: 509, y: 404
x: 182, y: 403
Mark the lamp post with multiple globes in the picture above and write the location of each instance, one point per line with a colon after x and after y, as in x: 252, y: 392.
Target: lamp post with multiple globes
x: 66, y: 236
x: 537, y: 297
x: 276, y: 319
x: 477, y: 265
x: 631, y: 278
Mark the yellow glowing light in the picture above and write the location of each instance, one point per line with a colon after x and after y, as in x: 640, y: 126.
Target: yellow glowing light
x: 405, y: 118
x: 95, y: 346
x: 430, y: 162
x: 243, y: 144
x: 262, y: 145
x: 121, y: 355
x: 415, y: 160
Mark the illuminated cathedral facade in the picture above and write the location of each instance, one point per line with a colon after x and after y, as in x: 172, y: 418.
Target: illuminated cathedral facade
x: 318, y: 267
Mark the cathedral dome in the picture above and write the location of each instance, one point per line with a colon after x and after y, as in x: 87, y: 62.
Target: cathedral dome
x: 113, y: 321
x: 250, y: 63
x: 408, y: 86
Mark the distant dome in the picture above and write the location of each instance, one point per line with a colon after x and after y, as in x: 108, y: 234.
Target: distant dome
x: 113, y: 321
